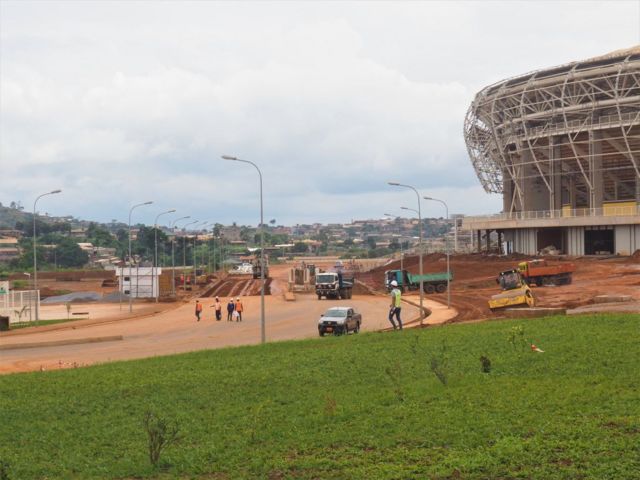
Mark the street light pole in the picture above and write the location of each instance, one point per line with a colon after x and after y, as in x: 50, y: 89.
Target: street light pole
x: 130, y: 258
x: 396, y: 184
x: 446, y: 240
x: 195, y: 256
x: 262, y: 279
x: 184, y: 255
x: 35, y: 255
x: 173, y: 257
x: 401, y: 253
x: 155, y: 259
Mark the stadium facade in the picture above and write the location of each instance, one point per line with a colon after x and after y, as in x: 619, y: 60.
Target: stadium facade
x: 562, y: 146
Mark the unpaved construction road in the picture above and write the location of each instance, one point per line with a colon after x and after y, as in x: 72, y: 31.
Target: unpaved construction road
x: 112, y: 334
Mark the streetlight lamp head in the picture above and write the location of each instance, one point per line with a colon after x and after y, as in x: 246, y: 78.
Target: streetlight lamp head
x: 427, y: 198
x: 55, y: 191
x: 147, y: 203
x: 394, y: 184
x: 172, y: 210
x: 229, y: 157
x: 405, y: 208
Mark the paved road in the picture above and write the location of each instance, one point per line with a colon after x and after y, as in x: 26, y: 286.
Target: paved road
x: 176, y: 331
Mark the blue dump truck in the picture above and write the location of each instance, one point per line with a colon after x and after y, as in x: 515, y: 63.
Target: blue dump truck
x: 431, y: 282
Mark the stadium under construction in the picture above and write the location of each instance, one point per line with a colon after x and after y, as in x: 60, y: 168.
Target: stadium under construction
x: 562, y: 145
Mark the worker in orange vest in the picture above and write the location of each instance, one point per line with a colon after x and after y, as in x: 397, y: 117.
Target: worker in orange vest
x: 239, y: 309
x: 198, y: 309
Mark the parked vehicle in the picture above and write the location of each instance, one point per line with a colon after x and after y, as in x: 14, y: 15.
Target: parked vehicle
x: 541, y: 272
x: 333, y: 285
x: 431, y: 282
x: 339, y: 321
x: 515, y: 292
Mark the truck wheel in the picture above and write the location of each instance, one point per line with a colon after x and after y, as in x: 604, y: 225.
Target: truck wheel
x: 321, y: 333
x: 319, y: 297
x: 441, y: 288
x: 429, y: 288
x: 357, y: 329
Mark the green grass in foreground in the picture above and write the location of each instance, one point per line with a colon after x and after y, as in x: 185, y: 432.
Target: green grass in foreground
x: 364, y: 406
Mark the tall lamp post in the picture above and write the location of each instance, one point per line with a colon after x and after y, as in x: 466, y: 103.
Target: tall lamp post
x: 262, y: 323
x: 155, y: 258
x: 396, y: 184
x: 35, y: 255
x: 195, y: 239
x: 173, y: 257
x: 446, y: 240
x: 130, y: 257
x: 401, y: 252
x: 184, y: 255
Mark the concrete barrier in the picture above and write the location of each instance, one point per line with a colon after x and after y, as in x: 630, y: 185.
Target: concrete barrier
x: 534, y: 312
x: 611, y: 298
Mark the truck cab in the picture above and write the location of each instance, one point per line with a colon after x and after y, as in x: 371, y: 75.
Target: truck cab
x: 400, y: 276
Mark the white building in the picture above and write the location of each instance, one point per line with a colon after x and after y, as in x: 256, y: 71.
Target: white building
x: 138, y: 282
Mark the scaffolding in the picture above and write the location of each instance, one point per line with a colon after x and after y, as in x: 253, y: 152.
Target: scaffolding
x: 562, y: 138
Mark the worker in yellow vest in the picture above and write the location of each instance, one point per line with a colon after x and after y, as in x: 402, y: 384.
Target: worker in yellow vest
x: 396, y: 305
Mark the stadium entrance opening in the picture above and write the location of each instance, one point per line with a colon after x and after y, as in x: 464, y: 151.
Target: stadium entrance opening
x: 599, y: 241
x: 550, y: 237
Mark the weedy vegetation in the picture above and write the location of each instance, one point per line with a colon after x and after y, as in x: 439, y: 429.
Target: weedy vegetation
x: 410, y: 405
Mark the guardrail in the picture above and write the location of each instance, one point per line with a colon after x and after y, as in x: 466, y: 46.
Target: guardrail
x: 562, y: 213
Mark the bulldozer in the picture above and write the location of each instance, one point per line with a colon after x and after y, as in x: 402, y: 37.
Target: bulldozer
x: 515, y: 292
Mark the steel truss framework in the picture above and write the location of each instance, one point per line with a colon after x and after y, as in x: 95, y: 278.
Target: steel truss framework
x: 564, y: 136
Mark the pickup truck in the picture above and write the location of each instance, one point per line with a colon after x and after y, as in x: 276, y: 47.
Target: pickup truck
x: 339, y: 321
x: 431, y: 282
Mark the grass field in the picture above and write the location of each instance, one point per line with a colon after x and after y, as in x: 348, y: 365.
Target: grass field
x: 363, y: 406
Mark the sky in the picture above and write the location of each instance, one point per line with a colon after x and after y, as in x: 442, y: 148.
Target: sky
x: 119, y: 103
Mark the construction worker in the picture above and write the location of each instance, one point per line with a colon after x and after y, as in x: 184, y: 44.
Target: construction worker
x: 231, y: 307
x: 198, y: 309
x: 395, y: 307
x: 218, y: 308
x: 239, y: 309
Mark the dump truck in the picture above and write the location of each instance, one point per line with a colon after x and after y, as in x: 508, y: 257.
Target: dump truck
x: 257, y: 267
x: 431, y: 282
x: 541, y: 272
x: 515, y: 291
x: 333, y: 285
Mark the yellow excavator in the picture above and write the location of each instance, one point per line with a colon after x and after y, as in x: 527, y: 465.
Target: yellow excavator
x: 515, y: 292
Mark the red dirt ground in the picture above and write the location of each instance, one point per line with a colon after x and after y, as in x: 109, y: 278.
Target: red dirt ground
x: 474, y: 280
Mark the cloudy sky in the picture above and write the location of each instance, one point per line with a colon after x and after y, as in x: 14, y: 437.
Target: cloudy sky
x: 118, y: 103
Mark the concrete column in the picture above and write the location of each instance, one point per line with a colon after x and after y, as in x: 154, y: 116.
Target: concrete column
x: 488, y: 240
x: 595, y: 169
x: 555, y: 197
x: 479, y: 243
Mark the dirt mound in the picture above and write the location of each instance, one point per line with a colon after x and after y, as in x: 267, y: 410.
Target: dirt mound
x: 636, y: 256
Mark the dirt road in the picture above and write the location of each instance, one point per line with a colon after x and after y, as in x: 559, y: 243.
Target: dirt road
x: 176, y: 331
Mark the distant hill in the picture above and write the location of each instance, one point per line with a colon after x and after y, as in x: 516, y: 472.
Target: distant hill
x: 9, y: 216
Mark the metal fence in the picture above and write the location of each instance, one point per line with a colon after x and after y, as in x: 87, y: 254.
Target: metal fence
x: 563, y: 213
x: 20, y: 305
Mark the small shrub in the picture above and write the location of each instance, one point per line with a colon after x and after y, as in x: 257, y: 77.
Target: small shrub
x: 4, y: 470
x: 161, y: 433
x: 68, y: 307
x: 485, y: 364
x: 516, y: 337
x: 439, y: 364
x: 330, y: 406
x: 394, y: 373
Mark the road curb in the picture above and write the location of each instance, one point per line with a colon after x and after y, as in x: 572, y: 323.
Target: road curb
x: 58, y: 343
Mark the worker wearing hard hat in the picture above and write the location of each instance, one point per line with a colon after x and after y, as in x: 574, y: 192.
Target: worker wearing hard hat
x: 395, y: 307
x: 239, y: 309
